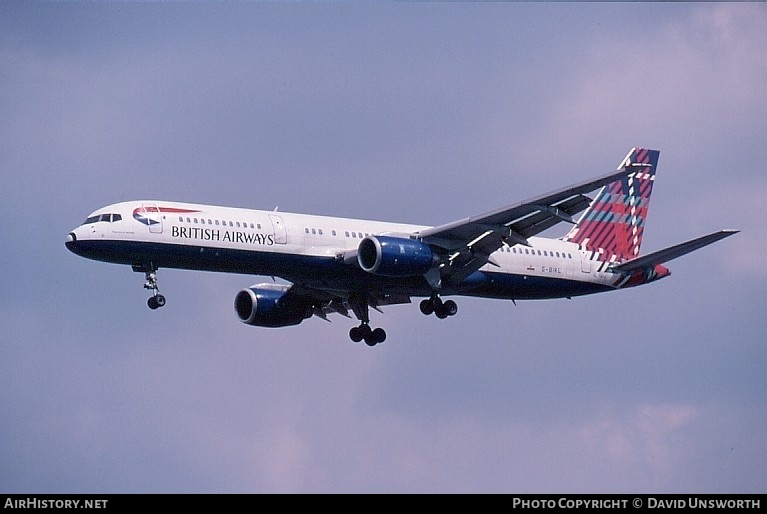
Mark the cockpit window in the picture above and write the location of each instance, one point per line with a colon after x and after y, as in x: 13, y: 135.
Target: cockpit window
x: 109, y: 218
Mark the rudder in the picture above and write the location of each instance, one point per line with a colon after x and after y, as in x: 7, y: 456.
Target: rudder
x: 614, y: 222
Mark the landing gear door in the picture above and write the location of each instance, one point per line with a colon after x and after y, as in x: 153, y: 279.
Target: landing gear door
x: 280, y: 233
x: 153, y: 217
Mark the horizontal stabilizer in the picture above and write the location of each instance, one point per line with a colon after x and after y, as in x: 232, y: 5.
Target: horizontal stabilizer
x: 672, y: 252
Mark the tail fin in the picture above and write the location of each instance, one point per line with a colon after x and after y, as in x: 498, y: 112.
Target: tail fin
x: 614, y: 222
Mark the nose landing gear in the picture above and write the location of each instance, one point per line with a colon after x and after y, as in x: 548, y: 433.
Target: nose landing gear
x: 156, y: 300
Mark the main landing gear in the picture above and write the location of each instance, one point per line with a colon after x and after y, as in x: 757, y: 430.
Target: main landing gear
x: 372, y: 337
x: 436, y: 306
x: 156, y: 300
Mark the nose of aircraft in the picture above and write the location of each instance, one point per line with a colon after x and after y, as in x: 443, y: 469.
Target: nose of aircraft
x: 73, y: 241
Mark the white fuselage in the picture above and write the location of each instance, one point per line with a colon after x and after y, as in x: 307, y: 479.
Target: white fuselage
x: 204, y: 237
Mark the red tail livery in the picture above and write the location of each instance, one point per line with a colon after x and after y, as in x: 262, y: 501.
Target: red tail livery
x: 613, y: 224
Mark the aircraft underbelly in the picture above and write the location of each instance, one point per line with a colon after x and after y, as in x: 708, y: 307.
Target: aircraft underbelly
x: 527, y: 287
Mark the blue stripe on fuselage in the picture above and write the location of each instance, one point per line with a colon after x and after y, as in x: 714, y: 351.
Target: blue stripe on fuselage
x: 325, y: 273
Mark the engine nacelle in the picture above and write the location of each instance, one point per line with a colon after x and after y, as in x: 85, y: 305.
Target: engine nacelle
x: 271, y: 305
x: 394, y: 256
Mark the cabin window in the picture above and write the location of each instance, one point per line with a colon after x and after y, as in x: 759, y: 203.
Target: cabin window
x: 347, y: 233
x: 319, y: 230
x: 333, y: 232
x: 258, y: 225
x: 314, y: 231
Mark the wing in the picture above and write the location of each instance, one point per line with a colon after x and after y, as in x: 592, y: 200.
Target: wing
x: 469, y: 242
x: 331, y: 302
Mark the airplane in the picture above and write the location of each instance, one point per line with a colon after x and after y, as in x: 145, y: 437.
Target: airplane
x: 337, y: 265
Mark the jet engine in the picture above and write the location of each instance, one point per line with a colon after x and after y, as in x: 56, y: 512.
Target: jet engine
x: 271, y: 305
x: 395, y: 256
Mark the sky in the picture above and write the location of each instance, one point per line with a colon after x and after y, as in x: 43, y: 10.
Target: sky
x: 420, y: 113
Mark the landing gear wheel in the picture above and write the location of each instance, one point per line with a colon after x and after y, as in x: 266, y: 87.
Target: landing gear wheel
x: 451, y: 308
x: 437, y: 307
x: 378, y: 336
x: 155, y: 302
x: 355, y: 334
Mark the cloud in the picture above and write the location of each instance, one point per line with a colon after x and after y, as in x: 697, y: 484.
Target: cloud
x: 687, y: 79
x: 648, y: 436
